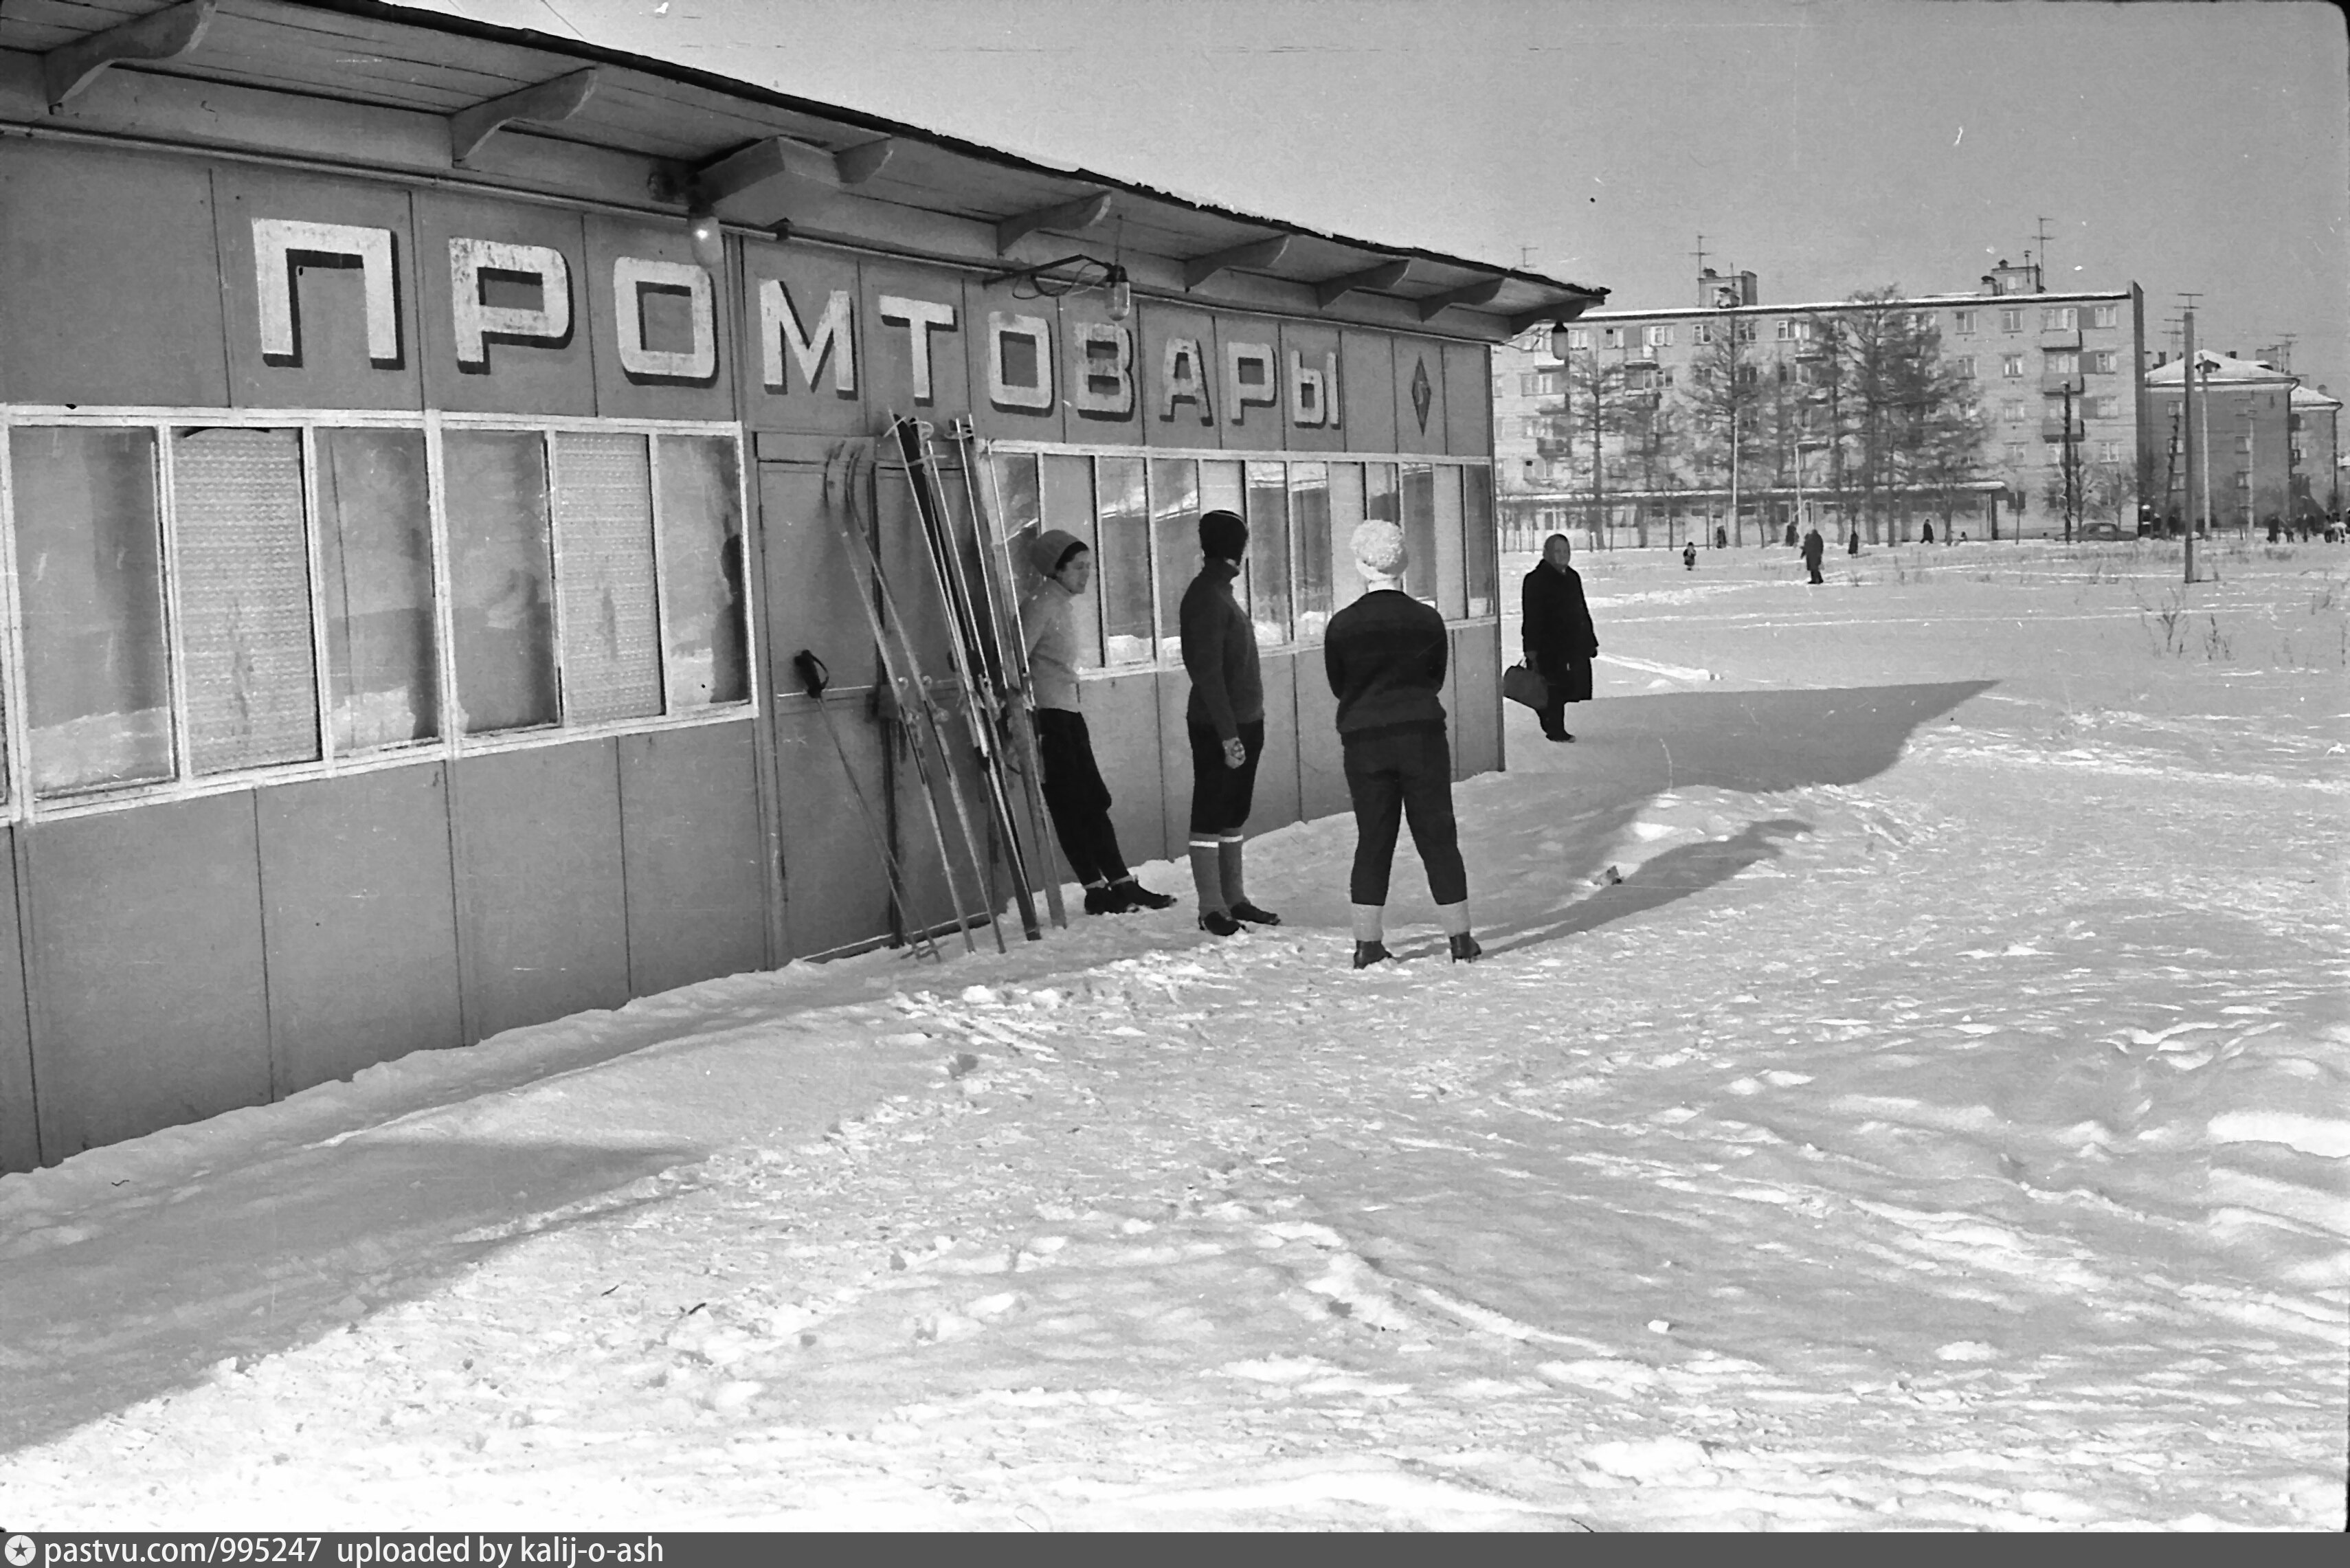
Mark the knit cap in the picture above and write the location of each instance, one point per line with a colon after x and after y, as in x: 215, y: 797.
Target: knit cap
x: 1223, y: 535
x: 1380, y: 549
x: 1051, y: 550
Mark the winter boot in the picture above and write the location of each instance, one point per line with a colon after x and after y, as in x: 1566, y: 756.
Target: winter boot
x: 1371, y: 952
x: 1465, y: 948
x: 1137, y: 896
x: 1219, y: 923
x: 1230, y: 881
x: 1104, y: 900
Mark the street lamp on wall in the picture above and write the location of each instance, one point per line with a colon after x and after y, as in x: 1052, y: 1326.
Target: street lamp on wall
x: 1073, y: 274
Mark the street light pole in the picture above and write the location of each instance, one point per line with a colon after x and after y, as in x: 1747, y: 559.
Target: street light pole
x: 2187, y: 422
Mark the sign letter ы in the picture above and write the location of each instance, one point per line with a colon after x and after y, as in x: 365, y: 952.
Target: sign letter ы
x: 476, y: 323
x: 276, y: 240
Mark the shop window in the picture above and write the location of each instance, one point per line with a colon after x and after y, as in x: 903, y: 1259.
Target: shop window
x: 1478, y: 544
x: 1268, y: 548
x: 1451, y: 567
x: 89, y: 573
x: 375, y: 568
x: 1122, y: 575
x: 605, y: 598
x: 1382, y: 492
x: 1174, y: 543
x: 1064, y: 499
x: 244, y: 574
x: 1418, y: 497
x: 502, y: 579
x: 1312, y: 579
x: 1345, y: 516
x: 705, y: 606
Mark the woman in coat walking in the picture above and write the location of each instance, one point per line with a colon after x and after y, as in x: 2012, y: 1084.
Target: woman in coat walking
x: 1074, y: 791
x: 1385, y: 657
x: 1557, y: 634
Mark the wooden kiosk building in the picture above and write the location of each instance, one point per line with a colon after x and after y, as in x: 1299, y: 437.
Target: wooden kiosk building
x: 421, y: 448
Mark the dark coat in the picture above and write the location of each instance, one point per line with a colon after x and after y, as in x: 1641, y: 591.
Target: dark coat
x: 1558, y: 636
x: 1813, y: 548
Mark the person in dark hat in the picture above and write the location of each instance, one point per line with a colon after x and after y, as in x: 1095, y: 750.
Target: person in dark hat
x: 1558, y: 636
x: 1074, y: 791
x: 1385, y: 657
x: 1225, y: 718
x: 1815, y: 551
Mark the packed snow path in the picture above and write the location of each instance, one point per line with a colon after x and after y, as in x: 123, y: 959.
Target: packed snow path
x: 1936, y: 1118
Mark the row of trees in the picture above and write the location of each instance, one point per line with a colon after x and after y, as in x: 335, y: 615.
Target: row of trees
x: 1866, y: 410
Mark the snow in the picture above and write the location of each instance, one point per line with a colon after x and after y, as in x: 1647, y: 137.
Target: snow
x: 1938, y: 1120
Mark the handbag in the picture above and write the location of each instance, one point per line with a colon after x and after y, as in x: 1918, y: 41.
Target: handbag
x: 1522, y: 682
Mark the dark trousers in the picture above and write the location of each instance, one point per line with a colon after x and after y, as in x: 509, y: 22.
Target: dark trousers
x: 1077, y: 798
x: 1222, y: 795
x: 1556, y: 681
x: 1403, y: 776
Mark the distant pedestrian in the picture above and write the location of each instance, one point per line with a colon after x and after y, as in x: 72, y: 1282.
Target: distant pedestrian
x: 1925, y: 535
x: 1852, y: 548
x: 1385, y: 656
x: 1225, y: 719
x: 1720, y: 537
x: 1790, y: 534
x: 1688, y: 557
x: 1556, y: 633
x: 1815, y: 547
x: 1074, y: 791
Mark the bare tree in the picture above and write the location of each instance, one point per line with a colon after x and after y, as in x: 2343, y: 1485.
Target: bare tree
x: 1724, y: 400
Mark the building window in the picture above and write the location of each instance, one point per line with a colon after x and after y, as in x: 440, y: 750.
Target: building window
x: 1175, y: 508
x: 2105, y: 315
x: 1962, y: 321
x: 2014, y: 451
x: 1743, y: 331
x: 1792, y: 331
x: 1611, y: 337
x: 1579, y: 337
x: 2101, y: 407
x: 2103, y: 361
x: 1701, y: 332
x: 593, y: 576
x: 2010, y: 366
x: 2109, y: 451
x: 1659, y: 336
x: 1268, y: 552
x: 2012, y: 411
x: 2059, y: 318
x: 2063, y: 362
x: 2011, y: 320
x: 1965, y: 364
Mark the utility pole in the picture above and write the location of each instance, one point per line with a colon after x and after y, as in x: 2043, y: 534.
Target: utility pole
x: 1737, y: 524
x: 1597, y: 511
x: 2187, y: 410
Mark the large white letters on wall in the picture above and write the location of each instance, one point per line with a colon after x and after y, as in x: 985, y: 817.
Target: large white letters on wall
x: 1009, y: 394
x: 1101, y: 370
x: 919, y: 316
x: 276, y: 240
x: 476, y: 323
x: 1313, y: 394
x: 1249, y: 377
x: 779, y: 328
x: 1181, y: 379
x: 631, y: 276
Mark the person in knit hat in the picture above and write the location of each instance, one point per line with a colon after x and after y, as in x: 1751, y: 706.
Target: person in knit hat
x: 1385, y: 655
x: 1074, y: 791
x: 1225, y: 719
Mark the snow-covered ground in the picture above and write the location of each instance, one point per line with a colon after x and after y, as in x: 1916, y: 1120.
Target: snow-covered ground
x: 1943, y: 1122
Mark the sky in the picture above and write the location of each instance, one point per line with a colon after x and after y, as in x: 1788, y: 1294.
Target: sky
x: 1829, y: 146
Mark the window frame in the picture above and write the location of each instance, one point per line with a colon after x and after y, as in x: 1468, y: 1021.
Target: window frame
x: 332, y: 761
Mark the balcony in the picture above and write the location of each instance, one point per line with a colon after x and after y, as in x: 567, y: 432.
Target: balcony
x: 2052, y: 384
x: 2054, y: 430
x: 2060, y: 338
x: 1552, y: 446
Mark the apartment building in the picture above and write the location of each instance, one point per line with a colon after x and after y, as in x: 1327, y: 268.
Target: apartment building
x: 2250, y: 426
x: 2057, y: 375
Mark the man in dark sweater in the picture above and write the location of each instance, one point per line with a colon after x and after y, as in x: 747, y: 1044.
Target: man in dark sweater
x: 1225, y: 717
x: 1385, y: 655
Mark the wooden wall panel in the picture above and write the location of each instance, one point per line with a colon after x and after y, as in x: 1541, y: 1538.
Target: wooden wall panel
x: 519, y: 375
x: 1474, y: 702
x: 539, y: 881
x: 1249, y: 426
x: 332, y: 368
x: 109, y: 279
x: 1175, y: 754
x: 360, y: 918
x: 20, y: 1139
x: 835, y: 892
x: 1122, y: 716
x: 809, y: 278
x: 1101, y: 426
x: 1192, y: 423
x: 691, y: 849
x: 1276, y: 801
x: 1367, y: 363
x: 146, y: 965
x: 666, y: 317
x: 1321, y: 766
x: 1468, y: 400
x: 1419, y: 360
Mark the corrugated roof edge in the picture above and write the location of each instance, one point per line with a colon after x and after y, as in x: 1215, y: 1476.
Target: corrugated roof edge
x: 599, y: 54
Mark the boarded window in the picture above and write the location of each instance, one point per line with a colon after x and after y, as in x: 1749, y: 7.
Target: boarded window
x: 703, y: 619
x: 90, y: 581
x: 501, y: 579
x: 375, y: 563
x: 604, y: 577
x: 244, y: 572
x: 1123, y: 556
x: 1174, y: 543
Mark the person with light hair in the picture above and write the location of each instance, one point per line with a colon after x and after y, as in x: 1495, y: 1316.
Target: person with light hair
x: 1385, y: 655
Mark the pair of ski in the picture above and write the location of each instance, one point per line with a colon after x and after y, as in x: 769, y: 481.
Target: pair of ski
x: 988, y: 659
